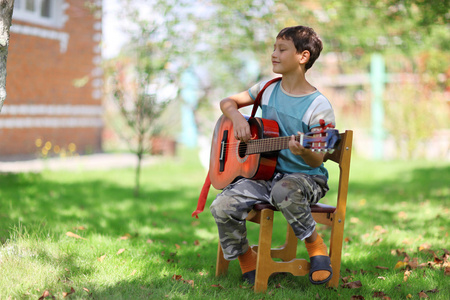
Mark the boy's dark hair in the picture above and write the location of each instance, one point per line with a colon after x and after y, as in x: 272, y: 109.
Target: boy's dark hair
x: 304, y: 38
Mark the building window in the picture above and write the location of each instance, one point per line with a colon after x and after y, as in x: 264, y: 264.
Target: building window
x: 41, y: 12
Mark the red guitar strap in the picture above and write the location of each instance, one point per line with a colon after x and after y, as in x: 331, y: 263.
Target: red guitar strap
x: 206, y: 186
x: 257, y: 102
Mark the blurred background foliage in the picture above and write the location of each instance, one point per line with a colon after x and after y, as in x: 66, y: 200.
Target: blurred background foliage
x: 227, y: 45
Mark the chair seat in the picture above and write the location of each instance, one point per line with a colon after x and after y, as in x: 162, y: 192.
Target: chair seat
x: 315, y: 208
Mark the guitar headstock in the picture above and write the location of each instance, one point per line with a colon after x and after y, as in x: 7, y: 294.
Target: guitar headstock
x: 327, y: 141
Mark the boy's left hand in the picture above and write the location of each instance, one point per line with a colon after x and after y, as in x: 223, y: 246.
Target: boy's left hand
x: 295, y: 147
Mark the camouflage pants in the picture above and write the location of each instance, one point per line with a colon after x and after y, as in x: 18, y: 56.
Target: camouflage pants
x: 292, y: 194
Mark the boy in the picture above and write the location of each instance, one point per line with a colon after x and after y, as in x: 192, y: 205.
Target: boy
x: 300, y: 178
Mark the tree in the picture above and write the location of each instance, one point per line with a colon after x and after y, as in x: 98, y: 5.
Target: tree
x: 6, y: 11
x: 141, y: 79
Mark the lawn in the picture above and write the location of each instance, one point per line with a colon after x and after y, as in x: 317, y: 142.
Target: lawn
x: 82, y: 234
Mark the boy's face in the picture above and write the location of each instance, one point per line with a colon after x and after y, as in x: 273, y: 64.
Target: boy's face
x: 285, y: 58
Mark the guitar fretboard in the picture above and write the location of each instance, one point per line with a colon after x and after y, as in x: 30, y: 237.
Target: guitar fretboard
x: 270, y: 144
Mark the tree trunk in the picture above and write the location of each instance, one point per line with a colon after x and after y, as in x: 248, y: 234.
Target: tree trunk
x: 138, y: 175
x: 6, y: 11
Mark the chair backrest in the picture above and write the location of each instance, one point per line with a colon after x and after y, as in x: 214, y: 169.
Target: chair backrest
x: 342, y: 157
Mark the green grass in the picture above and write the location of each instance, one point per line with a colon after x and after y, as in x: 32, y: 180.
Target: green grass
x: 393, y: 207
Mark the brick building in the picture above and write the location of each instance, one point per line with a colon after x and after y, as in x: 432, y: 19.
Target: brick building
x: 54, y: 79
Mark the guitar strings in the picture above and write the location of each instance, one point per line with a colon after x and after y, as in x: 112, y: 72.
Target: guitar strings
x: 276, y: 142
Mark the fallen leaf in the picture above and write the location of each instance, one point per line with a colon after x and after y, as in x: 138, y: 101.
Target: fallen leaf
x: 79, y: 228
x: 352, y: 285
x: 149, y: 241
x: 71, y: 234
x: 379, y: 295
x: 400, y: 265
x: 447, y: 271
x: 177, y: 277
x: 65, y: 294
x: 354, y: 220
x: 422, y: 294
x: 357, y: 297
x: 45, y: 295
x: 346, y: 279
x: 120, y: 251
x: 376, y: 241
x: 433, y: 291
x: 177, y: 246
x: 424, y: 246
x: 409, y: 296
x: 217, y: 286
x: 86, y: 290
x: 132, y: 273
x: 381, y: 277
x: 406, y: 275
x: 126, y: 236
x: 101, y: 258
x: 382, y: 268
x: 196, y: 243
x: 402, y: 215
x: 190, y: 282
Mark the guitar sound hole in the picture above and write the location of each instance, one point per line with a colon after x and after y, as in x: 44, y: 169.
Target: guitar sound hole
x: 242, y: 151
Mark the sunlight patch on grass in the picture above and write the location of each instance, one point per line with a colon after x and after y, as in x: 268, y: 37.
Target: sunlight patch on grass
x: 205, y: 234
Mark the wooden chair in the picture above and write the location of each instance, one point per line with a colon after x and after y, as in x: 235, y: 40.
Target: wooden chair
x: 322, y: 213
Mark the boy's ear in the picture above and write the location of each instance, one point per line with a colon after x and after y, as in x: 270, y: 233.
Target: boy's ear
x: 304, y: 57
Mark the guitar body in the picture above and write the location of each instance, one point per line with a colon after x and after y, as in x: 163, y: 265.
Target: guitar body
x: 229, y: 161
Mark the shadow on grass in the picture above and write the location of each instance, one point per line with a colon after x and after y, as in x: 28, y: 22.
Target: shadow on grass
x: 162, y: 214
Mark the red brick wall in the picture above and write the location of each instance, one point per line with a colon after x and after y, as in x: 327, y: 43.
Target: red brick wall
x: 42, y: 100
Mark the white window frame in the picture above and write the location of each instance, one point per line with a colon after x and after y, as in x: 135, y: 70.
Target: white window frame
x: 56, y: 18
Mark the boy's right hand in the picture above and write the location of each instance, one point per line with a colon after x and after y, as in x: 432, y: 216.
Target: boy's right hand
x: 241, y: 129
x: 230, y: 108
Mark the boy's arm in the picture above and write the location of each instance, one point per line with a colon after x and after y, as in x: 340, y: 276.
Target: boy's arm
x: 230, y: 106
x: 313, y: 159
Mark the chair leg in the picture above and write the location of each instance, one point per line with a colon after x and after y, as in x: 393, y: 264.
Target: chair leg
x: 264, y: 261
x: 221, y: 263
x: 336, y: 241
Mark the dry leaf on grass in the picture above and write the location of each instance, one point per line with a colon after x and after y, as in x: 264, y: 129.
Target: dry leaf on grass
x: 406, y: 275
x: 380, y: 294
x: 71, y: 234
x: 126, y: 236
x: 46, y: 294
x: 217, y: 286
x: 180, y: 278
x: 352, y: 285
x: 400, y: 264
x: 101, y: 258
x: 422, y: 294
x: 65, y: 294
x: 120, y: 251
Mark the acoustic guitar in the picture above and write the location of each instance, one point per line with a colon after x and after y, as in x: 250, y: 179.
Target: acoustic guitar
x: 256, y: 159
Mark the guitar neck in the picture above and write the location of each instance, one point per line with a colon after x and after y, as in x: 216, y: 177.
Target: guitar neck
x: 271, y: 144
